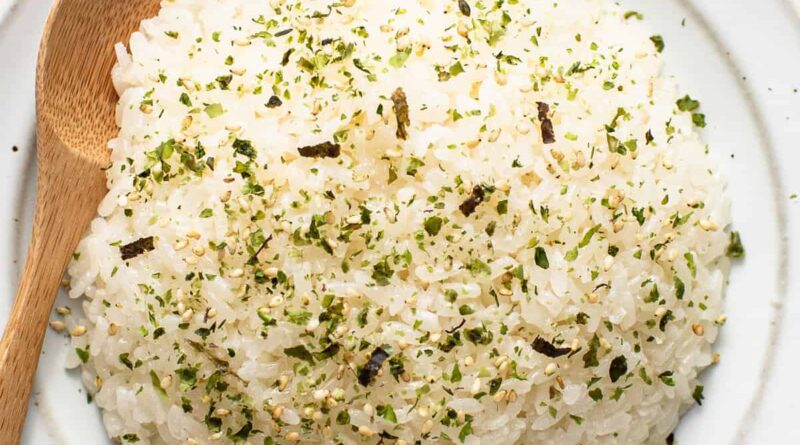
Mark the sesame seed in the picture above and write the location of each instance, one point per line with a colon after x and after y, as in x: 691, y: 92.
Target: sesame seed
x: 608, y: 262
x: 312, y: 325
x: 368, y: 409
x: 500, y: 77
x: 462, y: 29
x: 476, y: 387
x: 511, y: 396
x: 394, y: 153
x: 276, y: 301
x: 187, y: 316
x: 57, y: 325
x: 494, y: 135
x: 365, y: 431
x: 283, y: 382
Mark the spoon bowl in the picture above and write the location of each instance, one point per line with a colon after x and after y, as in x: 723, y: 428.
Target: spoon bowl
x: 75, y: 107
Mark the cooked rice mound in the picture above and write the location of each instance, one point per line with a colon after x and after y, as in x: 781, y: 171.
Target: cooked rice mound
x: 429, y: 221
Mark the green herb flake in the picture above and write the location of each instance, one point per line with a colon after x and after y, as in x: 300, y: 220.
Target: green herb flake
x: 667, y: 378
x: 187, y: 377
x: 382, y: 273
x: 298, y: 317
x: 214, y: 110
x: 689, y: 257
x: 157, y: 385
x: 680, y: 288
x: 466, y: 430
x: 399, y: 59
x: 343, y: 418
x: 299, y: 352
x: 587, y: 237
x: 699, y: 120
x: 653, y: 296
x: 571, y: 255
x: 387, y: 412
x: 502, y: 207
x: 540, y: 257
x: 618, y: 368
x: 658, y: 41
x: 130, y: 438
x: 686, y: 103
x: 590, y: 357
x: 82, y: 354
x: 433, y: 225
x: 735, y: 247
x: 697, y: 394
x: 455, y: 376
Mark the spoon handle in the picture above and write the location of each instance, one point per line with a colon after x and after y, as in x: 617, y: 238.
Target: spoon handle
x: 65, y: 203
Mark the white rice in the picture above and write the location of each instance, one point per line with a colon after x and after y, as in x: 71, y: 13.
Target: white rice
x: 199, y: 341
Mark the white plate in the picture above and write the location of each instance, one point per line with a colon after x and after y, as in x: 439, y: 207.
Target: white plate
x: 740, y: 57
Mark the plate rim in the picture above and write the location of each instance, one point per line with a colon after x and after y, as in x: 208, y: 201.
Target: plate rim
x: 777, y: 186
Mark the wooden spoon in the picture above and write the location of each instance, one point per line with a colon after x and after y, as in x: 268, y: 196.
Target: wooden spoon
x: 75, y: 107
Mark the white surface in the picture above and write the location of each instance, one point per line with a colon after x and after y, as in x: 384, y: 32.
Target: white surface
x: 5, y: 8
x: 755, y: 120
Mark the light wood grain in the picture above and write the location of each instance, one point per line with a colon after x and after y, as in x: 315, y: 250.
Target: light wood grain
x: 75, y: 106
